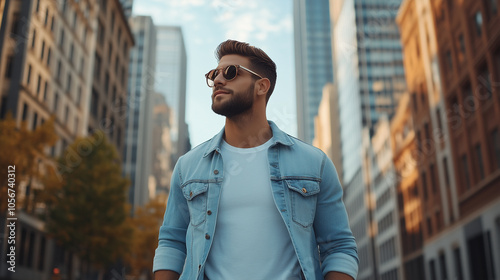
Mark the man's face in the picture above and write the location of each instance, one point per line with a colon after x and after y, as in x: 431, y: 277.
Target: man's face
x: 231, y: 98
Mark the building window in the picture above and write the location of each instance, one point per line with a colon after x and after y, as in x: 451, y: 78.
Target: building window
x: 64, y: 5
x: 35, y: 120
x: 432, y: 269
x: 95, y: 103
x: 38, y: 85
x: 97, y: 67
x: 495, y: 146
x: 461, y: 42
x: 46, y: 20
x: 112, y: 21
x: 424, y: 184
x: 56, y: 103
x: 41, y: 257
x: 45, y: 88
x: 484, y: 79
x: 52, y: 24
x: 25, y: 111
x: 106, y: 83
x: 66, y: 114
x: 49, y: 53
x: 479, y: 159
x: 442, y: 264
x: 71, y: 52
x: 61, y: 40
x: 78, y: 95
x: 440, y: 125
x: 76, y: 124
x: 59, y: 66
x: 459, y: 275
x: 75, y: 18
x: 3, y: 108
x: 28, y: 78
x: 37, y: 6
x: 433, y: 178
x: 446, y: 174
x: 478, y: 23
x: 42, y: 53
x: 465, y: 168
x: 493, y: 6
x: 68, y: 84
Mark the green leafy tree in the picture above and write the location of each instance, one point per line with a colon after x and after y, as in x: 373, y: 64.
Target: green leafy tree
x: 22, y: 148
x: 146, y: 222
x: 86, y: 203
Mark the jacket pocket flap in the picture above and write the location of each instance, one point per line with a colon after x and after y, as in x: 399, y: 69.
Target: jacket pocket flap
x: 191, y: 190
x: 304, y: 187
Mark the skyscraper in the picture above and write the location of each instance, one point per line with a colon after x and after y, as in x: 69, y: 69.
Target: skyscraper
x: 138, y: 152
x: 127, y: 7
x: 369, y: 70
x: 313, y: 61
x: 171, y: 68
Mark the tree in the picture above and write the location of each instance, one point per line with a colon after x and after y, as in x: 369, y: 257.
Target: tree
x: 87, y: 209
x: 23, y: 149
x: 146, y: 223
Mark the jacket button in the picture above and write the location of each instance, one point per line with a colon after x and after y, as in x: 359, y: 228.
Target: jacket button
x: 199, y: 266
x: 304, y: 190
x: 207, y: 236
x: 216, y: 171
x: 209, y: 212
x: 190, y: 193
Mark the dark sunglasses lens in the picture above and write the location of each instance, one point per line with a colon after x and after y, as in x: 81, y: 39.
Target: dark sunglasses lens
x: 212, y: 74
x: 230, y: 72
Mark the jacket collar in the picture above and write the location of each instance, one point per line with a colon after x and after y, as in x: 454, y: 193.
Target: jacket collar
x: 279, y: 136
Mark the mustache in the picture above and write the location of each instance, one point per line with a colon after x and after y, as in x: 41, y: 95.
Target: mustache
x: 221, y: 88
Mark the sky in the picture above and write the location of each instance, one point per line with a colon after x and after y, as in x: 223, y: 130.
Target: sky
x: 205, y: 24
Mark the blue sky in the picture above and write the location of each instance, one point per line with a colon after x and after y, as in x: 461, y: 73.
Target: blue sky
x: 205, y: 24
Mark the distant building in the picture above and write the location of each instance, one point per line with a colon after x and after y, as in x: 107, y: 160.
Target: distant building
x: 162, y: 143
x: 451, y: 60
x: 368, y: 66
x: 313, y: 61
x: 138, y: 151
x: 171, y: 71
x: 383, y: 182
x: 326, y: 127
x: 127, y: 6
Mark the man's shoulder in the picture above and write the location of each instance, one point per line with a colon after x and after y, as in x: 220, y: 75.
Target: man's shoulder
x: 306, y: 148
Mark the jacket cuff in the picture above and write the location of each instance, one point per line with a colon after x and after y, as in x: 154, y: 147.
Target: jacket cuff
x: 340, y: 262
x: 168, y: 259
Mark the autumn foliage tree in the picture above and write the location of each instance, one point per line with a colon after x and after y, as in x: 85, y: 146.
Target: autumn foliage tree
x: 22, y: 148
x: 86, y: 202
x: 146, y: 222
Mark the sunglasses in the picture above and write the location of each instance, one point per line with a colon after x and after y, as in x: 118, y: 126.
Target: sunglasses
x: 229, y: 73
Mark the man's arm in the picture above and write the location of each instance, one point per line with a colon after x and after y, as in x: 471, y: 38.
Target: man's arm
x: 333, y: 275
x: 338, y: 250
x: 166, y: 275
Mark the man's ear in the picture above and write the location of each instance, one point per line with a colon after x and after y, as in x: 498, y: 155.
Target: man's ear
x: 263, y: 86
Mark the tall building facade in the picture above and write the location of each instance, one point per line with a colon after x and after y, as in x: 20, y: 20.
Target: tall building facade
x: 313, y: 61
x: 171, y: 72
x: 327, y: 127
x: 382, y: 180
x: 138, y: 151
x: 368, y: 68
x: 48, y: 53
x: 162, y: 144
x: 453, y: 69
x: 114, y: 39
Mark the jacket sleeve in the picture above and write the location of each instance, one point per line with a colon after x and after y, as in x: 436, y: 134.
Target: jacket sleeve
x: 171, y: 251
x: 337, y: 247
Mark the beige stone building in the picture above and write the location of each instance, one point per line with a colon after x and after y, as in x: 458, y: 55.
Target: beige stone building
x: 66, y: 59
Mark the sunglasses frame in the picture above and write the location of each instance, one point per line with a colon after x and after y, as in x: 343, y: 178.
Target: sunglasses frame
x: 225, y: 68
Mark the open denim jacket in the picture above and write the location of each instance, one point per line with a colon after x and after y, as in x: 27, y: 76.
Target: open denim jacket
x: 305, y: 188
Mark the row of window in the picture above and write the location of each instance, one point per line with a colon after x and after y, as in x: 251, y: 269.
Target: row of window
x: 387, y: 250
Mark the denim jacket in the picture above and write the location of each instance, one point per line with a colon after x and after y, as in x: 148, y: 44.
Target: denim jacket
x: 305, y: 188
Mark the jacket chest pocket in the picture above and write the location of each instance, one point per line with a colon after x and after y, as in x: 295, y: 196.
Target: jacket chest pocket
x: 196, y: 196
x: 303, y: 196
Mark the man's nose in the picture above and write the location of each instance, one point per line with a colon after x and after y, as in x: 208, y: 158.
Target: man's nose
x: 219, y: 79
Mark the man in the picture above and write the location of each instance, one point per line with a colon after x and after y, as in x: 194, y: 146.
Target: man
x: 253, y: 202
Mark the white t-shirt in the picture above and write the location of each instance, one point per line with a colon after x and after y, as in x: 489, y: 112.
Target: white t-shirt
x: 251, y: 240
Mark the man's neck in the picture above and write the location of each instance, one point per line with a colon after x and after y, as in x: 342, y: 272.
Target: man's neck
x: 247, y: 132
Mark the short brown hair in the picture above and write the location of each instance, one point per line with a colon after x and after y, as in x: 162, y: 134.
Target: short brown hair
x: 259, y: 60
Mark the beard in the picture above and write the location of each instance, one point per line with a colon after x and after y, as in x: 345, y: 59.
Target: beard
x: 236, y: 104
